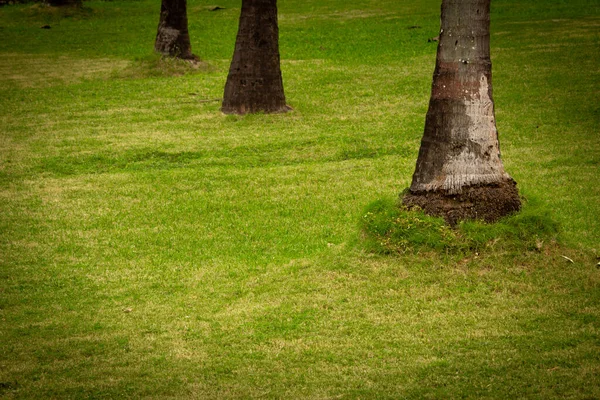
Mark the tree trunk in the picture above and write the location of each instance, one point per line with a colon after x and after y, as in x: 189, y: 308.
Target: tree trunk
x: 64, y: 3
x: 459, y: 173
x: 172, y: 38
x: 254, y: 83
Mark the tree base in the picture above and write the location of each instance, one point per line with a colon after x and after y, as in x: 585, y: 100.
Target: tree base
x: 65, y: 3
x: 242, y: 110
x: 485, y: 202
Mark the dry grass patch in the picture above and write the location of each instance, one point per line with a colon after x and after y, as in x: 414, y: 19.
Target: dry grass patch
x: 39, y: 71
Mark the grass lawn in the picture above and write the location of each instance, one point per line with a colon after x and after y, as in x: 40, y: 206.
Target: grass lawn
x: 152, y: 247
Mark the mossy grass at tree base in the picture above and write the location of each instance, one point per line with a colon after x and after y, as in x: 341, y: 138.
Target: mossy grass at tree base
x: 389, y: 226
x: 158, y: 65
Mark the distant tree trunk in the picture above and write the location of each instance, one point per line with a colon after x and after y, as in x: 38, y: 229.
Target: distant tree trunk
x: 172, y: 38
x: 61, y: 3
x: 254, y: 83
x: 459, y: 174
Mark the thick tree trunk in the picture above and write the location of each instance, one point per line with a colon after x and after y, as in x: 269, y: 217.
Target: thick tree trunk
x: 172, y: 38
x: 459, y: 173
x: 64, y: 3
x: 254, y: 83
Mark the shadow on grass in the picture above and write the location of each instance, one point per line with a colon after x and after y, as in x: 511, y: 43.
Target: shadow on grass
x: 144, y: 159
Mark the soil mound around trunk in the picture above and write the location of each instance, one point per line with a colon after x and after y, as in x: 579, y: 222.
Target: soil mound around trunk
x: 484, y: 202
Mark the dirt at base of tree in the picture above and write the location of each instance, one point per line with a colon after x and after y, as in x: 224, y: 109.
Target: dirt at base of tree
x: 486, y: 202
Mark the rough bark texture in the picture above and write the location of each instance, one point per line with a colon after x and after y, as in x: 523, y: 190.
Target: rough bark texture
x: 172, y: 38
x: 254, y: 83
x: 459, y: 172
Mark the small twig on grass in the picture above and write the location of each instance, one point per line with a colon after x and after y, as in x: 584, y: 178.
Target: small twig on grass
x: 208, y: 100
x: 568, y: 259
x: 200, y: 101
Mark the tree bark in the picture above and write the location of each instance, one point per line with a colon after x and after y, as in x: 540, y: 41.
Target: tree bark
x: 459, y: 172
x: 254, y: 83
x: 172, y: 38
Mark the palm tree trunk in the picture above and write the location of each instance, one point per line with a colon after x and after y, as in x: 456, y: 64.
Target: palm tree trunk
x: 172, y: 37
x: 459, y: 172
x: 254, y: 83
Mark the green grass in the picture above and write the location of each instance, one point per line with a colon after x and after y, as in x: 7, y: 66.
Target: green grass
x: 151, y: 247
x: 388, y: 227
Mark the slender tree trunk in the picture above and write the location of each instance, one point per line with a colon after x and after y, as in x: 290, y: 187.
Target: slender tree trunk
x: 459, y: 173
x: 254, y: 83
x: 172, y: 38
